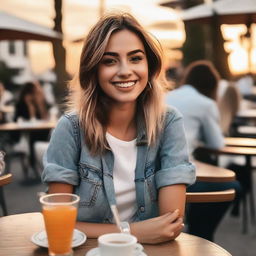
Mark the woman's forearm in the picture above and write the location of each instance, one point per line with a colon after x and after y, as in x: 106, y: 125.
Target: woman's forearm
x: 94, y: 230
x: 150, y: 231
x: 155, y: 230
x: 171, y: 198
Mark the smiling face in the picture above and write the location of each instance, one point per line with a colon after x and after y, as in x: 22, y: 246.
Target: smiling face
x: 123, y: 69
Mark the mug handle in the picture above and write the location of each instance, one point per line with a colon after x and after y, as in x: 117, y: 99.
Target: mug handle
x: 138, y: 249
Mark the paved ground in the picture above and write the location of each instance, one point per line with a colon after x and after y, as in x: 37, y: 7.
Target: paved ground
x: 22, y: 197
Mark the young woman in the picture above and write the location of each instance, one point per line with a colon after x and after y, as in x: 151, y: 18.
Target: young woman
x: 121, y: 145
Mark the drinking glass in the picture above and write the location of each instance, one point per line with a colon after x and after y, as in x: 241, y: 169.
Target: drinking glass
x: 60, y: 213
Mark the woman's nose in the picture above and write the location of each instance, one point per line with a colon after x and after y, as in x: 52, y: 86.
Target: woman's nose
x: 124, y: 69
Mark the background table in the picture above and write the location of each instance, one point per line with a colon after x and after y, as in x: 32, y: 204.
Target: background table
x: 247, y: 114
x: 28, y: 128
x: 240, y: 142
x: 211, y: 173
x: 16, y: 231
x: 248, y: 153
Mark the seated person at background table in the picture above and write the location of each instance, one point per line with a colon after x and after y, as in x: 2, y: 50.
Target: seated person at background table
x: 196, y: 100
x: 229, y: 100
x: 31, y: 105
x: 121, y: 145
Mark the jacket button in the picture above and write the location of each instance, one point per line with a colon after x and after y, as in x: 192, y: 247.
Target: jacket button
x: 142, y: 209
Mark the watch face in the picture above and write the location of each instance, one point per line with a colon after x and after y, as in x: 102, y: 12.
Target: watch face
x: 125, y: 227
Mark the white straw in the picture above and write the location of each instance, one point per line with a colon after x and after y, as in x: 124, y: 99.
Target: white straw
x: 116, y: 216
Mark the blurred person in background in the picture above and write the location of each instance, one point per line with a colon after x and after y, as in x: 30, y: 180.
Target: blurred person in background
x: 229, y: 103
x: 31, y: 103
x: 196, y: 100
x: 31, y: 106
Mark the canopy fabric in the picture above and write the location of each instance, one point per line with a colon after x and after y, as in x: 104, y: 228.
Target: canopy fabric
x: 228, y: 12
x: 15, y: 28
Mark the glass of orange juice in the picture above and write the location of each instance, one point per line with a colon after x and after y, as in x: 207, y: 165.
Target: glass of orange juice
x: 60, y: 213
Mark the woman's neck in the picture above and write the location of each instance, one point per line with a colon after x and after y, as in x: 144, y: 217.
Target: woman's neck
x: 122, y: 122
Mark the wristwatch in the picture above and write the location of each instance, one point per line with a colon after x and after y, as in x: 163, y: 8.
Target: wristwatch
x: 125, y: 227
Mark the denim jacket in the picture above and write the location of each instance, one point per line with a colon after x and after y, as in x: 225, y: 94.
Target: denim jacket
x: 165, y: 163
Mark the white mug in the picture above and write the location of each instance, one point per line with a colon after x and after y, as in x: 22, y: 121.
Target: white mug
x: 116, y: 244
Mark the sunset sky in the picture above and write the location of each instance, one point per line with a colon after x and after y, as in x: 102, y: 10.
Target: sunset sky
x: 80, y: 15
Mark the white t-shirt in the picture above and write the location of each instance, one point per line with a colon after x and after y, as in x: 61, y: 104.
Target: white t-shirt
x: 125, y: 156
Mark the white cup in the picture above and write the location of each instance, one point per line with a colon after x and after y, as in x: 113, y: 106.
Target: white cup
x: 116, y: 244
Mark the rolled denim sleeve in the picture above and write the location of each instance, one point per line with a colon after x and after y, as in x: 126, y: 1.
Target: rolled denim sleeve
x: 62, y: 156
x: 174, y: 157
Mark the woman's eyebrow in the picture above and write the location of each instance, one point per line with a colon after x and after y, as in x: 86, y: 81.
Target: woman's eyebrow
x: 135, y: 51
x: 114, y: 54
x: 111, y: 54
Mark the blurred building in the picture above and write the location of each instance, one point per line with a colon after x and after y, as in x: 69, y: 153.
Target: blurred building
x: 14, y: 55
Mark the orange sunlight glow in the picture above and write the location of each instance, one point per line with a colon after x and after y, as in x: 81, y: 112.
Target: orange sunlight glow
x: 238, y: 49
x: 253, y: 60
x: 238, y: 61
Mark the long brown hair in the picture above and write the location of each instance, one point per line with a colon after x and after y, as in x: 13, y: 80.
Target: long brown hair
x: 202, y: 75
x: 91, y: 102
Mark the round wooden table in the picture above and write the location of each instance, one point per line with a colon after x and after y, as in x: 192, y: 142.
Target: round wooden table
x: 211, y: 173
x: 16, y: 231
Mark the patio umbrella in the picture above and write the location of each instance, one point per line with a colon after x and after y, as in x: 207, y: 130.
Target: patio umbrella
x: 228, y: 12
x: 225, y: 12
x: 15, y: 28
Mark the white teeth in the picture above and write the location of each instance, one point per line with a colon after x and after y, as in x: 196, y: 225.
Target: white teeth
x: 125, y: 85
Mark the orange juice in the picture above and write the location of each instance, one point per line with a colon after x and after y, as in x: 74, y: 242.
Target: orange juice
x: 60, y: 223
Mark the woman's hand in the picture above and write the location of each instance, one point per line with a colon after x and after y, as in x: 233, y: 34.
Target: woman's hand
x: 160, y: 229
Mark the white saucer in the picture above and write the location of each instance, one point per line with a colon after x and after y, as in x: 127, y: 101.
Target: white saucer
x: 95, y: 252
x: 40, y: 238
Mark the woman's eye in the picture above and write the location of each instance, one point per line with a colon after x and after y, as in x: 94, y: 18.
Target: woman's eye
x: 108, y: 61
x: 136, y: 59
